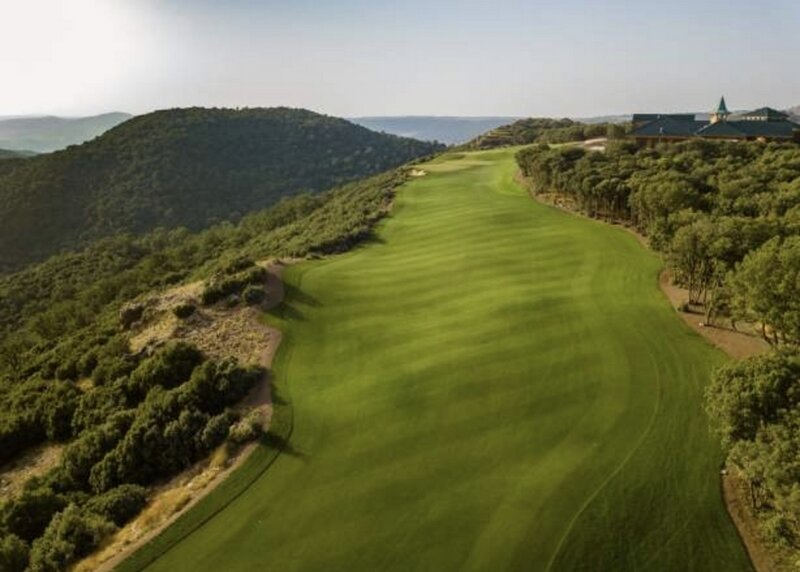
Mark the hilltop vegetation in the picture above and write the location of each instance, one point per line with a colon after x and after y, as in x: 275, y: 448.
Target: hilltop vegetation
x: 182, y: 168
x: 9, y: 154
x: 68, y: 374
x: 543, y: 130
x: 46, y: 134
x: 726, y: 217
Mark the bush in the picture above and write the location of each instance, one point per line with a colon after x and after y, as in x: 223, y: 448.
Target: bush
x: 221, y: 287
x: 216, y: 430
x: 119, y: 505
x: 28, y: 515
x: 169, y: 367
x: 237, y: 265
x: 71, y: 535
x: 250, y: 428
x: 130, y: 314
x: 254, y: 295
x: 184, y: 310
x: 14, y: 554
x: 255, y: 275
x: 776, y: 529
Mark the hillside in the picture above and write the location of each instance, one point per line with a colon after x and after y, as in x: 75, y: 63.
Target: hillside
x: 182, y: 167
x: 448, y: 130
x: 118, y: 361
x: 9, y: 154
x: 535, y: 129
x: 45, y: 134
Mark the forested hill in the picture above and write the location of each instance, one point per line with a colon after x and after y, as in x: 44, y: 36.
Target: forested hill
x: 542, y: 129
x: 182, y: 167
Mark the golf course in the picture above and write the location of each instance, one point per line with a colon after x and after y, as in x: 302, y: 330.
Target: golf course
x: 488, y: 384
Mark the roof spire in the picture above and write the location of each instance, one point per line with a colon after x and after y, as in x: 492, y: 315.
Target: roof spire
x: 722, y: 108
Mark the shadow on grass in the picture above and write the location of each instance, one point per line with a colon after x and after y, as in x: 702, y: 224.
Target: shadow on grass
x: 281, y: 444
x: 277, y: 396
x: 294, y: 294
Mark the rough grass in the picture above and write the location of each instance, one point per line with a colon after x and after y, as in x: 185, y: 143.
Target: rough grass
x: 490, y: 385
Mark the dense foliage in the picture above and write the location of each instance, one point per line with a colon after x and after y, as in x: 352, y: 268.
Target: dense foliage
x: 182, y: 168
x: 544, y: 130
x: 726, y: 217
x: 129, y: 420
x: 755, y: 406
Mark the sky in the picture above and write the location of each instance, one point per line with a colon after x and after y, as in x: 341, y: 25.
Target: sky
x: 350, y: 58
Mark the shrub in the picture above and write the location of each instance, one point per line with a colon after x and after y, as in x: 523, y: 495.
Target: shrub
x: 254, y: 295
x: 28, y: 515
x: 219, y: 288
x: 237, y: 265
x: 777, y: 530
x: 72, y: 534
x: 216, y: 430
x: 130, y: 314
x: 184, y: 310
x: 255, y: 275
x: 250, y: 428
x: 119, y: 505
x: 169, y: 367
x: 14, y: 554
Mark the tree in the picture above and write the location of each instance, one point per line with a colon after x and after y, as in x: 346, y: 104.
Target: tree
x: 71, y: 535
x: 766, y: 288
x: 744, y: 396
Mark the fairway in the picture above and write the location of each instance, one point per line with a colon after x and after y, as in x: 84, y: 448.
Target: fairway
x: 491, y: 384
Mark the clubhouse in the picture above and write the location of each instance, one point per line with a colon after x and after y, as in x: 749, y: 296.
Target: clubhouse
x: 764, y: 124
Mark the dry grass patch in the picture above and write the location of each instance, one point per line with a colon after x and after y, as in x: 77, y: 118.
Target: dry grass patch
x: 34, y: 462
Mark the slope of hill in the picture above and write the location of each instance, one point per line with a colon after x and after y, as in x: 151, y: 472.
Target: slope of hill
x: 45, y: 134
x: 182, y: 167
x: 124, y: 400
x: 546, y: 130
x: 13, y: 154
x: 448, y: 130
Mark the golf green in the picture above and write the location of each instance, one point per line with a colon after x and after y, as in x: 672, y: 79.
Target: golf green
x: 490, y: 384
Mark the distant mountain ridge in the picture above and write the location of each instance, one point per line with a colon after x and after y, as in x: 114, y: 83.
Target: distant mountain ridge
x: 51, y: 133
x: 9, y: 154
x: 449, y: 130
x: 182, y: 167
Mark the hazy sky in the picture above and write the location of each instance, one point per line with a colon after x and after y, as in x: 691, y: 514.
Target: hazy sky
x: 370, y: 57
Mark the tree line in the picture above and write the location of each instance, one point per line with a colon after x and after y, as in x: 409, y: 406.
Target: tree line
x: 544, y: 130
x: 726, y: 218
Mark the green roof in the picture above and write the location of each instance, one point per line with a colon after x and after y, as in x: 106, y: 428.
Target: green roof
x: 722, y: 108
x: 766, y: 113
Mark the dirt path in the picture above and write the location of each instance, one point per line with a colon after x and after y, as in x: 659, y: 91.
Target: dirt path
x: 200, y: 479
x: 738, y: 345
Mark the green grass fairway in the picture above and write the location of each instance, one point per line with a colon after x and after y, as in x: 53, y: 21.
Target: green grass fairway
x: 489, y: 385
